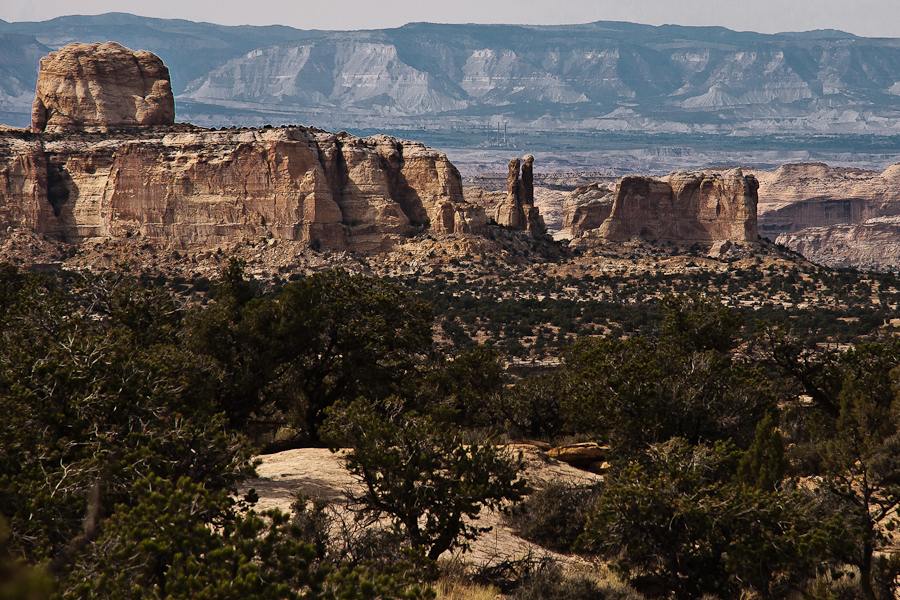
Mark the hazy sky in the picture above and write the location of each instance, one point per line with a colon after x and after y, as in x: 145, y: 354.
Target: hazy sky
x: 862, y: 17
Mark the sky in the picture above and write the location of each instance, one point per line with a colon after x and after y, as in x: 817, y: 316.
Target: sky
x: 871, y: 18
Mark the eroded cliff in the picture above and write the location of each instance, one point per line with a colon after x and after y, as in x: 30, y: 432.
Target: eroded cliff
x: 184, y: 186
x: 681, y: 207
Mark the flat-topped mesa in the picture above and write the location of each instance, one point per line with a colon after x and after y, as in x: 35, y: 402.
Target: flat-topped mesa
x: 517, y: 210
x: 98, y: 86
x: 684, y: 207
x: 183, y: 186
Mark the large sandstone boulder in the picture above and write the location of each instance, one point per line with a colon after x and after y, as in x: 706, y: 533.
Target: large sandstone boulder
x: 97, y: 86
x: 684, y: 207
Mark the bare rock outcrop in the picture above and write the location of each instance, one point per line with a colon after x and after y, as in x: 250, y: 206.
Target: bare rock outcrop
x: 586, y: 207
x: 183, y: 186
x: 684, y: 207
x: 871, y: 245
x: 97, y: 86
x: 840, y: 217
x: 802, y: 195
x: 517, y: 210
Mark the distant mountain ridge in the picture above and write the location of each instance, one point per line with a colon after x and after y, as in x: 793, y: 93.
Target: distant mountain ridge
x: 607, y: 76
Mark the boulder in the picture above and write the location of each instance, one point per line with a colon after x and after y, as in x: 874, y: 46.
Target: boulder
x: 98, y: 86
x: 583, y: 454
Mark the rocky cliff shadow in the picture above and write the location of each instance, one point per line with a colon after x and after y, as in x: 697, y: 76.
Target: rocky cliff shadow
x: 61, y: 190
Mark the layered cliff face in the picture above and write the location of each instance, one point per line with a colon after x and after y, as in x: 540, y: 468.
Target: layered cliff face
x: 681, y: 207
x: 97, y: 86
x: 797, y: 196
x: 840, y: 217
x: 183, y: 186
x: 871, y: 245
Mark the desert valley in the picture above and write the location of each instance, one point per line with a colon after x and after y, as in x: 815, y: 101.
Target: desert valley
x: 622, y: 325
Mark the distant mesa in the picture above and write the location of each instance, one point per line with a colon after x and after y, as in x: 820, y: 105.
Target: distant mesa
x: 98, y: 86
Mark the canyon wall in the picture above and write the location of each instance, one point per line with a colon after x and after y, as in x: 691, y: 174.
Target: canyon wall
x: 841, y: 217
x: 681, y: 207
x: 797, y: 196
x: 184, y: 186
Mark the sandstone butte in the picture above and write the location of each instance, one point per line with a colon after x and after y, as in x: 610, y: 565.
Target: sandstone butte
x: 96, y: 86
x: 103, y: 158
x: 184, y: 186
x: 680, y: 207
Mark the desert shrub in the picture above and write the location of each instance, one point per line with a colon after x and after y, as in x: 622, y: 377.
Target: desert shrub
x: 417, y: 472
x: 550, y: 581
x: 554, y: 515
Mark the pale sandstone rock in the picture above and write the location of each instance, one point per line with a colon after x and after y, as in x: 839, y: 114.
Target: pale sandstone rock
x: 100, y: 86
x: 586, y: 207
x: 871, y: 245
x: 799, y: 196
x: 585, y: 453
x: 186, y: 186
x: 684, y: 207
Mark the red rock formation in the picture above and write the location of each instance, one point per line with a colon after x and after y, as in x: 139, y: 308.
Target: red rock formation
x: 185, y: 186
x: 518, y: 210
x: 97, y: 86
x: 684, y: 207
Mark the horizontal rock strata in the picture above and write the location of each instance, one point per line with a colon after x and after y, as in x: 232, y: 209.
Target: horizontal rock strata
x: 185, y: 186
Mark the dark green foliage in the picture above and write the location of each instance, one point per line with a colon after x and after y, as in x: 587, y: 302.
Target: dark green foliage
x: 764, y: 465
x: 681, y: 523
x: 18, y: 580
x: 462, y: 386
x: 533, y: 407
x: 633, y: 392
x: 417, y: 472
x: 860, y: 458
x: 96, y: 390
x: 119, y: 474
x: 697, y: 323
x: 555, y: 515
x: 327, y: 337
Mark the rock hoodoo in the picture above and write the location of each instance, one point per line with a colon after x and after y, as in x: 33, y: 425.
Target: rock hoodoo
x: 517, y: 210
x: 97, y: 86
x: 681, y: 207
x: 184, y: 186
